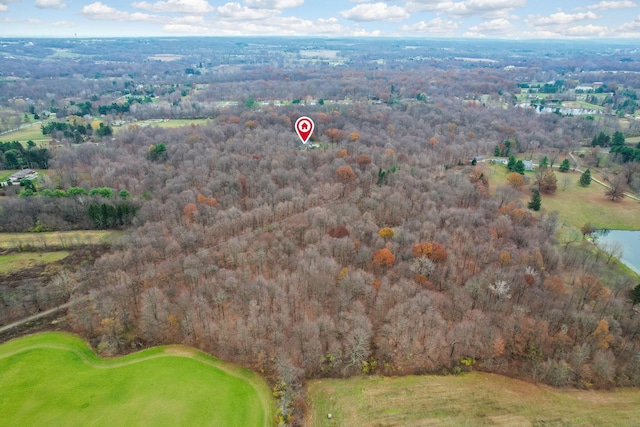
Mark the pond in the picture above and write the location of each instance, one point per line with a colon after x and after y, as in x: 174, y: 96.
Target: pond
x: 628, y: 240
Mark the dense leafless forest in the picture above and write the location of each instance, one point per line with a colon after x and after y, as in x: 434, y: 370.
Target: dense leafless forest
x: 385, y: 250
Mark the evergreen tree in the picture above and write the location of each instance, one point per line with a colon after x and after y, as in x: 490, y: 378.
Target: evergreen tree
x: 618, y: 138
x: 585, y: 178
x: 564, y: 166
x: 536, y: 201
x: 511, y: 163
x: 635, y: 295
x: 602, y: 139
x: 519, y: 167
x: 544, y: 163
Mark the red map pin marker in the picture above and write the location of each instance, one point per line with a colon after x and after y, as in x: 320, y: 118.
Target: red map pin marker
x: 304, y: 128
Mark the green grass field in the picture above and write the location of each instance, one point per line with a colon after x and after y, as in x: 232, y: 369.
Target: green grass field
x: 32, y: 132
x: 22, y: 260
x: 582, y: 104
x: 62, y: 239
x: 577, y: 205
x: 4, y: 174
x: 55, y: 379
x: 473, y: 399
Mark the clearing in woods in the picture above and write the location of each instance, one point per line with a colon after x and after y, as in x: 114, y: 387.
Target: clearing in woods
x: 474, y: 399
x: 57, y: 239
x: 14, y: 262
x: 576, y: 205
x: 56, y: 379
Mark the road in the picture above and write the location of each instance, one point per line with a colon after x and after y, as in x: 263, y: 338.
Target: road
x: 42, y: 314
x: 626, y: 194
x: 22, y: 127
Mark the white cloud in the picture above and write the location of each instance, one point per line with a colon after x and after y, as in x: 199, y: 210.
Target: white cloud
x: 63, y: 24
x: 493, y: 28
x: 486, y: 8
x: 287, y: 26
x: 630, y: 29
x: 561, y: 18
x: 186, y: 29
x: 273, y: 4
x: 375, y: 12
x: 435, y: 26
x: 587, y: 31
x: 175, y: 6
x: 365, y: 33
x: 608, y: 5
x: 429, y: 5
x: 50, y: 4
x: 4, y: 3
x: 236, y: 12
x: 101, y: 12
x: 189, y: 20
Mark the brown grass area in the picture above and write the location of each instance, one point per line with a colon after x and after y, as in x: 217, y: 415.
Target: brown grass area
x: 62, y: 239
x: 474, y: 399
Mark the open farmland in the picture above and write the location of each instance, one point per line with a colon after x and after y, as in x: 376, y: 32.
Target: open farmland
x: 32, y: 132
x: 55, y: 379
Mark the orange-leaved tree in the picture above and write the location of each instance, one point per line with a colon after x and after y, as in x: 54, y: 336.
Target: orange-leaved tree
x: 206, y: 200
x: 515, y: 180
x: 432, y: 250
x: 189, y: 210
x: 345, y: 174
x: 384, y: 257
x: 363, y: 161
x: 334, y: 135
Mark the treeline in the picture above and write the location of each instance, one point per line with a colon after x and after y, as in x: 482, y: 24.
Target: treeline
x: 58, y: 210
x: 77, y: 132
x: 626, y: 154
x: 13, y: 155
x: 621, y: 152
x: 122, y: 107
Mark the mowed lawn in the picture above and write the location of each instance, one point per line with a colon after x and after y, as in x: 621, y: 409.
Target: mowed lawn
x: 33, y: 132
x: 57, y: 238
x: 54, y: 379
x: 22, y: 260
x: 473, y: 399
x: 577, y: 205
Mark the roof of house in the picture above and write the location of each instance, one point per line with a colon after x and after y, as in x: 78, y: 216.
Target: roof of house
x: 21, y: 174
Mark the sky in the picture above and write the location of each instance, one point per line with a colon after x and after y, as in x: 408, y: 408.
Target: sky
x: 494, y: 19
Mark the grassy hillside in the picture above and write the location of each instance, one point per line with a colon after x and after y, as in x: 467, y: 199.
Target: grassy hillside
x: 55, y: 379
x: 19, y: 261
x: 577, y: 205
x: 467, y: 400
x: 57, y: 238
x: 33, y: 132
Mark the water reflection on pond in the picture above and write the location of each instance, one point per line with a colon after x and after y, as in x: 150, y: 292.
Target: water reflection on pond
x: 629, y: 242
